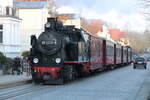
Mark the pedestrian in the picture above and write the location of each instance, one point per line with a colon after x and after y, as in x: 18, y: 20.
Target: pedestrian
x: 17, y: 66
x: 13, y: 67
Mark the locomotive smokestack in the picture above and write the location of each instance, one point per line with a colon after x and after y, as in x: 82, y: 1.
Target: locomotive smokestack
x: 53, y: 24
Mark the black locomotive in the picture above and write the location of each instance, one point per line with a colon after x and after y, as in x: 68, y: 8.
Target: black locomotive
x: 55, y: 50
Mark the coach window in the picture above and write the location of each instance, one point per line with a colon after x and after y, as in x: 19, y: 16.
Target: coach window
x: 108, y: 51
x: 120, y: 52
x: 112, y: 51
x: 98, y: 49
x: 1, y: 33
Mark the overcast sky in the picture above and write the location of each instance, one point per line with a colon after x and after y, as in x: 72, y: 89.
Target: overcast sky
x: 101, y: 6
x: 6, y: 3
x: 122, y: 13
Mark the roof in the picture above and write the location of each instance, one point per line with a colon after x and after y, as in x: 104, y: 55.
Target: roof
x: 30, y: 4
x: 116, y: 33
x: 93, y: 26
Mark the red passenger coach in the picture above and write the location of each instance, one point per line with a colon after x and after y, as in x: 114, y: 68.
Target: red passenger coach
x: 105, y: 54
x: 108, y: 53
x: 96, y: 53
x: 118, y: 54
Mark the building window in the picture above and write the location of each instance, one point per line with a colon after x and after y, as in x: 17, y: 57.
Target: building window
x: 7, y: 10
x: 1, y: 33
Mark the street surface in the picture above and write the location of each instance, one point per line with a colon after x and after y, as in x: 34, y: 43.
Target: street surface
x: 120, y: 84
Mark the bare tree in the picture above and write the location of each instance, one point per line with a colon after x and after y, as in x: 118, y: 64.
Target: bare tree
x: 145, y: 5
x: 139, y: 41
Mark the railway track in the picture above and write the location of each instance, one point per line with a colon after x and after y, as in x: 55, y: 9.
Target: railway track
x: 20, y: 90
x: 9, y: 85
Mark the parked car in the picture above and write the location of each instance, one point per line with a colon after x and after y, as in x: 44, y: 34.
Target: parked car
x: 140, y: 62
x: 148, y: 59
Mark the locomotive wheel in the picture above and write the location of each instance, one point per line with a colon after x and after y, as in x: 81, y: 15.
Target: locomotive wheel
x: 36, y: 81
x: 69, y: 73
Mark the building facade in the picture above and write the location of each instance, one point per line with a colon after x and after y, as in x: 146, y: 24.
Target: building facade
x: 9, y: 30
x: 105, y: 34
x: 124, y: 41
x: 34, y: 15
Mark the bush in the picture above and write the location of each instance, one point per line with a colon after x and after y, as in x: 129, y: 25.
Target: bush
x: 3, y: 59
x: 9, y: 60
x: 9, y: 63
x: 5, y: 63
x: 25, y: 53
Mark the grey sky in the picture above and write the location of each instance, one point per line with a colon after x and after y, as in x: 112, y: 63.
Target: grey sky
x: 101, y: 6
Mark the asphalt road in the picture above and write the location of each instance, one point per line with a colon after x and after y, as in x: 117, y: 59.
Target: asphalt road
x: 120, y: 84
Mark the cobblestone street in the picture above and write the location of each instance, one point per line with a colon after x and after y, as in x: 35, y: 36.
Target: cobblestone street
x: 120, y: 84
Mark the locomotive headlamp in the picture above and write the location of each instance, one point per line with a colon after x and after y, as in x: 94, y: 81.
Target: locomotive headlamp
x: 47, y: 25
x: 35, y: 60
x: 58, y: 60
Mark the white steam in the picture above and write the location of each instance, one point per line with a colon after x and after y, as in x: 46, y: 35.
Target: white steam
x: 128, y: 21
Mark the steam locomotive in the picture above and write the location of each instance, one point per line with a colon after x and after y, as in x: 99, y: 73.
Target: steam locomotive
x: 62, y: 53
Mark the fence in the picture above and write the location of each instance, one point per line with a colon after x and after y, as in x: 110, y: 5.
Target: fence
x: 8, y: 11
x: 24, y: 68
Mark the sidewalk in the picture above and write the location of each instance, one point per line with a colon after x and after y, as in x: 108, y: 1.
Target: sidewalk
x: 144, y: 92
x: 6, y: 80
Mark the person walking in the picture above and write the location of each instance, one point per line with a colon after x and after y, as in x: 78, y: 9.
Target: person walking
x: 17, y: 66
